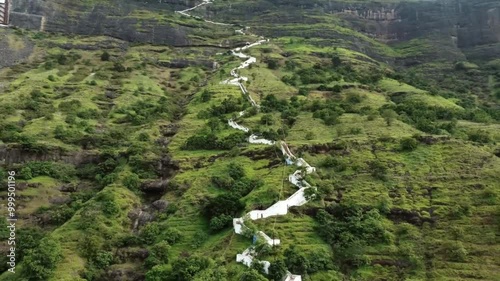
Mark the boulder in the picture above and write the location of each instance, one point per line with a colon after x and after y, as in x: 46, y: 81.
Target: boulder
x: 160, y: 205
x: 59, y: 200
x: 157, y: 186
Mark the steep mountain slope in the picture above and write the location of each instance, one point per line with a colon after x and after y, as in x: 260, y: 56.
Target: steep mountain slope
x: 128, y: 169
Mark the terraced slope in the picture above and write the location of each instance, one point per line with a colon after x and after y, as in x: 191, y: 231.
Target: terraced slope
x: 133, y: 160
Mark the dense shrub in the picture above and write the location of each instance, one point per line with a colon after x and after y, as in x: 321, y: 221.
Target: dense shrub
x: 132, y: 182
x: 105, y: 56
x: 184, y: 269
x: 228, y: 204
x: 60, y: 171
x: 223, y: 181
x: 40, y: 263
x: 480, y: 136
x: 212, y: 142
x: 158, y: 254
x: 378, y: 170
x: 206, y: 95
x: 150, y: 233
x: 235, y: 171
x: 348, y: 229
x: 296, y: 261
x: 272, y: 64
x: 334, y: 162
x: 408, y: 144
x: 220, y: 222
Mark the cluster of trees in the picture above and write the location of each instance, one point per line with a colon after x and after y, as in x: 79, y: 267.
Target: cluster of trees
x: 40, y: 262
x: 436, y: 119
x: 69, y: 59
x: 207, y: 137
x: 337, y: 163
x: 187, y: 268
x: 37, y: 105
x: 228, y: 105
x: 210, y: 141
x: 27, y: 239
x: 221, y: 210
x: 326, y: 73
x: 289, y: 109
x: 349, y: 228
x: 60, y: 171
x: 56, y: 215
x: 145, y: 110
x: 328, y: 111
x: 425, y: 117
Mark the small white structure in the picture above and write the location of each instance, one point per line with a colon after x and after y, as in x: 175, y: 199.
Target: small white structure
x: 256, y: 140
x: 237, y: 126
x: 291, y: 277
x: 5, y: 11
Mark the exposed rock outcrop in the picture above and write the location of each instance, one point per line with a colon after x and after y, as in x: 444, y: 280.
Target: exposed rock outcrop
x: 17, y: 48
x: 13, y: 154
x: 113, y: 18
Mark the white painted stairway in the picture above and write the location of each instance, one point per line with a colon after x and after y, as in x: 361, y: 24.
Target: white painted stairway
x: 281, y: 207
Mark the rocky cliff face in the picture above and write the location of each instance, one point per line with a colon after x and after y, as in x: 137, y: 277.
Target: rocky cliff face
x: 109, y: 17
x: 472, y: 22
x: 472, y: 25
x: 11, y: 154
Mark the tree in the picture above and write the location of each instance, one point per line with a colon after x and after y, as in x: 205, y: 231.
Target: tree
x: 158, y: 254
x: 267, y: 119
x: 214, y: 124
x: 26, y: 173
x: 336, y: 61
x: 408, y: 144
x: 41, y: 262
x: 118, y: 67
x: 206, y: 95
x: 172, y: 235
x: 61, y: 59
x: 158, y: 273
x: 212, y: 274
x: 103, y: 259
x: 90, y: 245
x: 105, y: 56
x: 310, y: 135
x: 277, y: 270
x: 236, y: 171
x: 378, y: 170
x: 348, y: 229
x: 228, y: 204
x: 296, y: 262
x: 220, y: 222
x: 150, y: 233
x: 252, y: 275
x: 272, y: 64
x: 184, y: 269
x: 131, y: 181
x: 389, y: 116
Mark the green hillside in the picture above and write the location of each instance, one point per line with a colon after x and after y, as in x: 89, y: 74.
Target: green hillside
x: 126, y: 167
